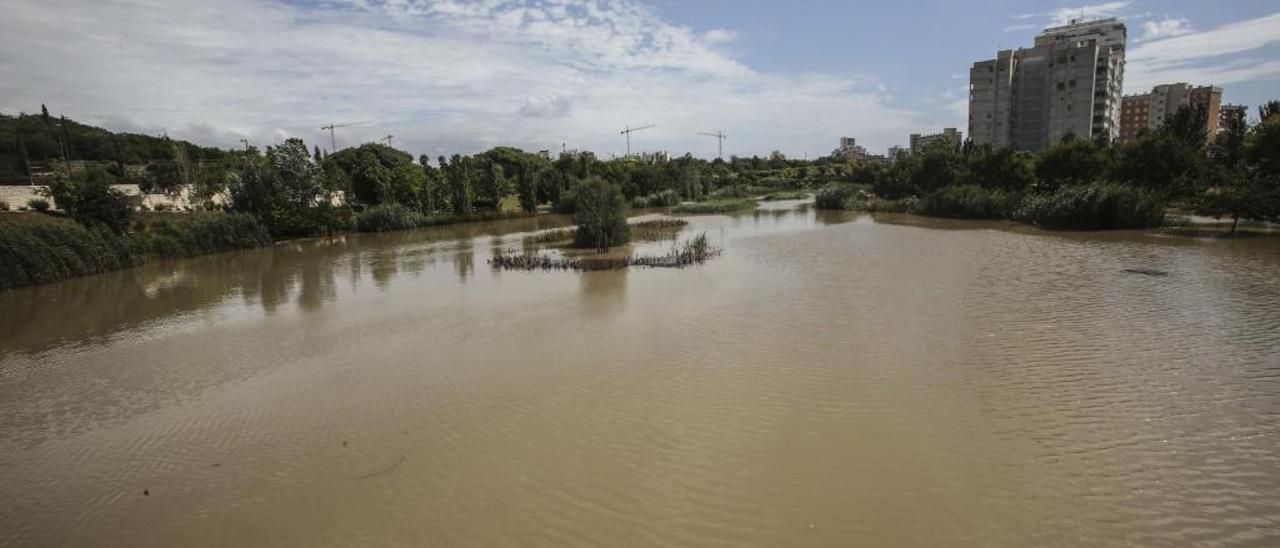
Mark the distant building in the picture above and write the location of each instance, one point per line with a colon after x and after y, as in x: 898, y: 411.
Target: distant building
x: 1069, y: 83
x: 849, y: 150
x: 1148, y: 111
x: 949, y: 135
x: 896, y: 152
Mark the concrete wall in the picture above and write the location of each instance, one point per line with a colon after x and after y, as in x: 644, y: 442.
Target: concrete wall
x: 18, y: 196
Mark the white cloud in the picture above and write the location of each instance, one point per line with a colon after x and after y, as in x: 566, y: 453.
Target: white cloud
x: 720, y: 36
x: 1197, y: 57
x: 442, y: 75
x: 1062, y: 16
x: 1165, y: 28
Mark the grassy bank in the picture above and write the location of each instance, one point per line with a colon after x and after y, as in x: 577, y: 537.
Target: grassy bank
x: 37, y: 249
x: 1098, y: 206
x: 384, y: 218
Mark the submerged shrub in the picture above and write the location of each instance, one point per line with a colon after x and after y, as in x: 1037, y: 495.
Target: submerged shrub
x: 838, y: 196
x: 969, y: 202
x: 715, y: 206
x: 1098, y: 206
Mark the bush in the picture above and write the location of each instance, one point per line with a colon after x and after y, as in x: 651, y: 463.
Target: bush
x: 601, y: 215
x: 969, y: 202
x: 1098, y: 206
x: 666, y: 198
x: 838, y: 196
x: 43, y: 253
x: 385, y: 217
x: 4, y: 206
x: 38, y: 204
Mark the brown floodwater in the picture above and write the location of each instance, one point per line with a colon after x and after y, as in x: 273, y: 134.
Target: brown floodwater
x: 829, y: 380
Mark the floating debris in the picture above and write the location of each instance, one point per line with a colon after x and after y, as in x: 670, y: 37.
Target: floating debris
x: 1146, y: 272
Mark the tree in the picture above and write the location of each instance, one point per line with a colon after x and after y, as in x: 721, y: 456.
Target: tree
x: 301, y: 181
x: 44, y: 113
x: 1246, y: 184
x: 370, y: 182
x: 1004, y: 169
x: 601, y: 215
x: 493, y: 186
x: 87, y: 197
x: 1077, y: 161
x: 527, y: 187
x: 458, y: 181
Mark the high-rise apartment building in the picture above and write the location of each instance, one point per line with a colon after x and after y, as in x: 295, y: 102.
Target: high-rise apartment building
x: 1148, y: 111
x: 950, y: 135
x: 1069, y: 83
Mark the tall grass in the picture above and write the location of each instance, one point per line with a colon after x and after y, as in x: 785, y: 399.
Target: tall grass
x: 37, y: 253
x: 1098, y: 206
x: 970, y: 202
x: 386, y: 217
x: 42, y: 253
x: 200, y: 234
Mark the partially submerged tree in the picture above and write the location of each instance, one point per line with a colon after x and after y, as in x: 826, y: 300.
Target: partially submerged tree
x: 601, y: 215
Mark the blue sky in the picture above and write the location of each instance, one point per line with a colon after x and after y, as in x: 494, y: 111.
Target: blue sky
x: 448, y: 76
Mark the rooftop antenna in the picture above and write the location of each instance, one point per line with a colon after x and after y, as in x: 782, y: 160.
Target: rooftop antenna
x: 629, y: 130
x: 333, y: 142
x: 720, y: 137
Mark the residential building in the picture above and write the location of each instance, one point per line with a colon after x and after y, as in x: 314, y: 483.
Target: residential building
x: 1068, y: 83
x: 1147, y: 111
x: 920, y: 142
x: 1229, y: 114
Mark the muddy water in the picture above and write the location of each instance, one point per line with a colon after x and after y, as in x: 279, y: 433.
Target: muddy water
x: 830, y: 380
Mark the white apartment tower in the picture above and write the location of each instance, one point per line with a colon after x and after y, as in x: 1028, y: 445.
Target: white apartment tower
x: 1069, y: 83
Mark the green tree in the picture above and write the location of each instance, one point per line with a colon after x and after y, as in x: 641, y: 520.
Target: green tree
x: 601, y: 215
x: 459, y: 182
x: 87, y: 197
x: 1074, y: 161
x: 1004, y: 169
x: 493, y: 186
x: 300, y: 181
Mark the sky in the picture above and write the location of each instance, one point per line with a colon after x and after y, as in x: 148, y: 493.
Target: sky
x: 459, y: 76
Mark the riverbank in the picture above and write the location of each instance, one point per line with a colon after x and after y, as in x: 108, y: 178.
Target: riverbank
x: 40, y: 248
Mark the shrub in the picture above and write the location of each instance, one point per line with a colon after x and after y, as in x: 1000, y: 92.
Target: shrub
x: 601, y: 215
x: 4, y: 206
x: 969, y: 202
x: 838, y: 196
x: 1098, y: 206
x: 385, y: 217
x: 38, y: 204
x: 666, y: 198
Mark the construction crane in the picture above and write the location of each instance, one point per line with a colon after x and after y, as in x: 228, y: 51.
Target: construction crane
x: 333, y: 142
x: 629, y: 130
x: 720, y: 137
